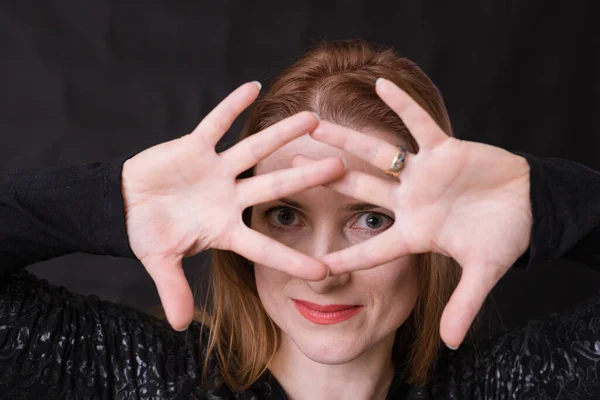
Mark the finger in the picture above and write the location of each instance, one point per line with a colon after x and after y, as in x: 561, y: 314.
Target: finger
x: 464, y: 304
x: 383, y: 248
x: 219, y: 120
x: 278, y: 184
x: 173, y: 289
x: 359, y: 185
x: 420, y: 124
x: 369, y: 148
x: 263, y: 250
x: 251, y: 150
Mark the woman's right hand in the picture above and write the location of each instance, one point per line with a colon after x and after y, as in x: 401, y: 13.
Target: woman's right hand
x: 182, y: 197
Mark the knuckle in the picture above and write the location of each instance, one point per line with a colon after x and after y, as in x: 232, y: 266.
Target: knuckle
x: 277, y: 134
x: 370, y: 151
x: 256, y: 149
x: 279, y: 186
x: 344, y: 140
x: 422, y: 119
x: 214, y: 125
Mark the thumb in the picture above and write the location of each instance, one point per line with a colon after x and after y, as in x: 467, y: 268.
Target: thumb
x: 464, y: 304
x: 173, y: 289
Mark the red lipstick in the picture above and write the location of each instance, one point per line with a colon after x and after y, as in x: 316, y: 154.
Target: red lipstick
x: 326, y: 315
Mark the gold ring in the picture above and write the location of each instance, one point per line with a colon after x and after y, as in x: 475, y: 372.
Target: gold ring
x: 397, y: 162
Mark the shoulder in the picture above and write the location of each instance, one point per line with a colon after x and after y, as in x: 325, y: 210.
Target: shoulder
x: 96, y: 343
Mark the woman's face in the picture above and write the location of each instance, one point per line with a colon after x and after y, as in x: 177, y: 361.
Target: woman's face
x: 337, y: 319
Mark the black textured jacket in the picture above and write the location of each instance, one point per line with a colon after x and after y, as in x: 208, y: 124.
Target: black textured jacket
x: 55, y: 344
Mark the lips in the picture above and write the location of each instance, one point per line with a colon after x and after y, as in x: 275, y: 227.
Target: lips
x: 326, y: 314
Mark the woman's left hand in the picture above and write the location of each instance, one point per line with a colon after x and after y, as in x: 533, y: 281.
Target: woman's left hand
x: 467, y: 200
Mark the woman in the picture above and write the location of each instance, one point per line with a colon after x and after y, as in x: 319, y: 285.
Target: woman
x: 317, y: 292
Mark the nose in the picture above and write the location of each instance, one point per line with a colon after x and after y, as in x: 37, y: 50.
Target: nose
x: 325, y: 241
x: 329, y: 283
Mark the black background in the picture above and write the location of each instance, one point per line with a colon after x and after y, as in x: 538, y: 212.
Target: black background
x: 91, y: 80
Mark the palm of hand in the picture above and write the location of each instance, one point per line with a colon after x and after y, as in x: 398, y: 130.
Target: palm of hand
x: 478, y: 211
x: 183, y: 205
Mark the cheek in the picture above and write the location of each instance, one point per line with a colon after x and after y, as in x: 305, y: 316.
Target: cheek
x: 270, y: 285
x: 395, y: 290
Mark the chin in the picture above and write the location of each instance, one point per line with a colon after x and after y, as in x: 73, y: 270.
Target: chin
x: 330, y: 349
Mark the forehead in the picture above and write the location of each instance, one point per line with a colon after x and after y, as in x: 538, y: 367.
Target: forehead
x: 307, y: 146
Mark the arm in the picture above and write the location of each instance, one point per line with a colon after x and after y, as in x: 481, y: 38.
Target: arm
x: 47, y: 213
x: 565, y: 201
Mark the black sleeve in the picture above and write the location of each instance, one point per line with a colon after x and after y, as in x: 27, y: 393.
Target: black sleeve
x: 46, y: 213
x: 565, y: 202
x: 55, y: 344
x: 558, y: 358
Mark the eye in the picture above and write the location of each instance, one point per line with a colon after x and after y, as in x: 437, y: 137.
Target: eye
x: 282, y: 216
x: 374, y: 221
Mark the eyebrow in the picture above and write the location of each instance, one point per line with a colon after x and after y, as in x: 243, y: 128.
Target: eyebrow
x: 348, y: 208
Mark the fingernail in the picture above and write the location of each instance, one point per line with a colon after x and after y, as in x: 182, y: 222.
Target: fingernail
x: 317, y: 115
x: 182, y: 330
x: 378, y: 81
x: 258, y: 84
x: 451, y: 347
x: 345, y: 165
